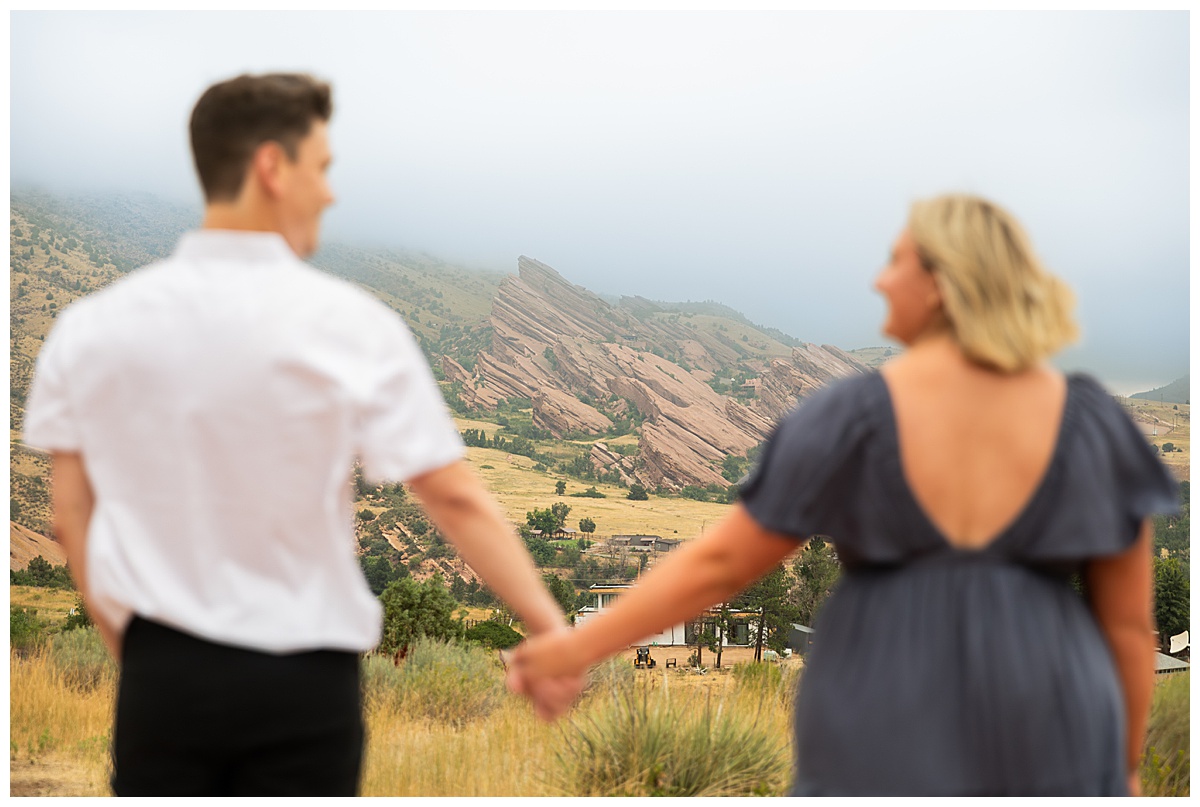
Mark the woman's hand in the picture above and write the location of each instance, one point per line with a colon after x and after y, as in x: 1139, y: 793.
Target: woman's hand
x: 549, y: 671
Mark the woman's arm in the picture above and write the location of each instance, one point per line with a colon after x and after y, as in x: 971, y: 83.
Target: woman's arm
x: 1121, y: 593
x: 704, y: 572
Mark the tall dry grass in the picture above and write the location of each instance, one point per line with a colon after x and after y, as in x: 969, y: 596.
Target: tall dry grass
x: 1166, y: 762
x: 55, y: 718
x: 442, y: 725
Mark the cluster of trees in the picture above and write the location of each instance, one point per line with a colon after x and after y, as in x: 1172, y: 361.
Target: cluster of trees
x: 518, y: 444
x: 723, y: 494
x: 1172, y: 589
x: 785, y: 595
x: 43, y: 574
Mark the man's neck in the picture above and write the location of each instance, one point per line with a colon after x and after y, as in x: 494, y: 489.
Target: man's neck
x: 234, y: 216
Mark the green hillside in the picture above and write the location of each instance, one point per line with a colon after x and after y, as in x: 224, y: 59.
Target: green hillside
x: 1177, y: 392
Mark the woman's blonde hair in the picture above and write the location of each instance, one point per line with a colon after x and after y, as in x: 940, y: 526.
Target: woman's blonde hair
x: 1005, y: 310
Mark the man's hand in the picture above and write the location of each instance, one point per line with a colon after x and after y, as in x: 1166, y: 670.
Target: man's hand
x: 548, y: 671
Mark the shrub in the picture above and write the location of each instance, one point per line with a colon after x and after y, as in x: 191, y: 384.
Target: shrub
x: 25, y: 632
x: 766, y: 680
x: 82, y: 658
x: 643, y: 744
x: 78, y: 617
x: 445, y: 681
x: 590, y: 493
x: 614, y: 675
x: 1166, y: 766
x: 494, y: 635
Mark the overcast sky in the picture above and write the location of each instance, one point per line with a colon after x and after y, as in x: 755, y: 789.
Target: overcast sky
x: 764, y: 160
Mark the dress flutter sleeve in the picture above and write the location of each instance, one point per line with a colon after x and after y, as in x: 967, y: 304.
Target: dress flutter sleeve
x: 809, y: 462
x: 1112, y: 481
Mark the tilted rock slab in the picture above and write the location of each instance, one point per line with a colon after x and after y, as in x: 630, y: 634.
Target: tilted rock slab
x: 554, y: 343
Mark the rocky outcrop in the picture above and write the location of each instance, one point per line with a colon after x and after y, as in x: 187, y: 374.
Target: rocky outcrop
x: 559, y: 413
x: 585, y: 362
x: 24, y: 545
x: 787, y: 381
x: 605, y: 460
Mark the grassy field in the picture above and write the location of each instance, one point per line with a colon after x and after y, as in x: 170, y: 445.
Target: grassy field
x: 661, y: 732
x: 60, y: 730
x: 519, y: 489
x: 52, y: 604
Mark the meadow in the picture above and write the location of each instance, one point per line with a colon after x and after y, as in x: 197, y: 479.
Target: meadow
x: 442, y: 724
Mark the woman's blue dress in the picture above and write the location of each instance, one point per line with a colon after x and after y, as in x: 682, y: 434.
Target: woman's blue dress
x: 942, y: 671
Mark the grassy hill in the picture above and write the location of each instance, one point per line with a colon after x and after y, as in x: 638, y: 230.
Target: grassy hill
x: 1178, y: 391
x: 65, y: 247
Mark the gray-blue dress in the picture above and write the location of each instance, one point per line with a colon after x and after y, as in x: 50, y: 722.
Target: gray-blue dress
x: 942, y: 671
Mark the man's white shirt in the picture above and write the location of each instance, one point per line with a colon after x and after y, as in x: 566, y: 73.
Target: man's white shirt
x: 218, y: 399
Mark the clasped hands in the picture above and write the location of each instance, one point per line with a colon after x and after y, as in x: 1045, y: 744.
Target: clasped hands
x: 549, y: 670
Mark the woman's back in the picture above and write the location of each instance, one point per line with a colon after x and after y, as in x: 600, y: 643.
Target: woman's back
x: 975, y: 444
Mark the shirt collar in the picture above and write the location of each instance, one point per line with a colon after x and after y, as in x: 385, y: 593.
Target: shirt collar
x: 243, y: 245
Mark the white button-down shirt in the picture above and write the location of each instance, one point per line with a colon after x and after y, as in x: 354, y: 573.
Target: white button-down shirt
x: 218, y: 399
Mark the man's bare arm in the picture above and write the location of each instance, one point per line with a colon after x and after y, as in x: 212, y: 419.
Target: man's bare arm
x: 460, y: 506
x: 73, y: 502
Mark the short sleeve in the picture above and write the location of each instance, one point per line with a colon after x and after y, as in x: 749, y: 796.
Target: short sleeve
x: 405, y: 427
x: 50, y: 421
x: 1141, y: 483
x: 809, y: 463
x: 1111, y: 482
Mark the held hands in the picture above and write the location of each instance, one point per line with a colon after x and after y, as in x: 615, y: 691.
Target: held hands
x: 548, y: 671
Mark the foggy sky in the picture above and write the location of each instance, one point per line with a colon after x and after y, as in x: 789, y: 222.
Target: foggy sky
x: 763, y: 160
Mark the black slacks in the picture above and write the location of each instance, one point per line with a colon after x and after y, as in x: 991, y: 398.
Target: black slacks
x: 195, y: 718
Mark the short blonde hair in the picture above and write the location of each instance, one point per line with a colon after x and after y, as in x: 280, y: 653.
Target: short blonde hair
x: 1005, y: 310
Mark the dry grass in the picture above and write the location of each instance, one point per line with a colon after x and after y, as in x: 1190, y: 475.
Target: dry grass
x: 506, y: 755
x: 52, y: 604
x: 520, y: 489
x: 58, y: 733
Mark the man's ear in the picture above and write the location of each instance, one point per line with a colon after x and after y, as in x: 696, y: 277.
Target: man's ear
x: 266, y: 166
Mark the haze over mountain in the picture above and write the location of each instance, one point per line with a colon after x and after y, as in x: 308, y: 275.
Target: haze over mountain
x: 764, y: 160
x: 1177, y: 392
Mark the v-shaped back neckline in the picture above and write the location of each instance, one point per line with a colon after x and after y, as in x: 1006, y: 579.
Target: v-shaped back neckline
x: 1022, y: 513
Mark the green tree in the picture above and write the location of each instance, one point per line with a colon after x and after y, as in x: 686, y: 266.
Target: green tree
x: 637, y: 493
x: 560, y: 487
x: 541, y: 550
x: 560, y: 511
x: 1171, y: 596
x: 704, y: 637
x: 78, y: 617
x: 815, y: 571
x: 769, y: 595
x: 544, y: 520
x: 379, y: 572
x: 587, y: 525
x: 561, y: 590
x: 412, y: 609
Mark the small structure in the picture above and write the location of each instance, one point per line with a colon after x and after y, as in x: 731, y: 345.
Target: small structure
x: 800, y: 639
x: 678, y: 635
x: 1164, y: 664
x: 645, y: 543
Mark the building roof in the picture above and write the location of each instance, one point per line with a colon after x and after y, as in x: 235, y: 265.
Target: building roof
x: 1165, y: 664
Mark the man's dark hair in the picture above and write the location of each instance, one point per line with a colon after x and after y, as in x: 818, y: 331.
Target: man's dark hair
x: 235, y: 117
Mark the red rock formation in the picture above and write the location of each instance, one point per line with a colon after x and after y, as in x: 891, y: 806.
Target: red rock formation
x: 554, y: 342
